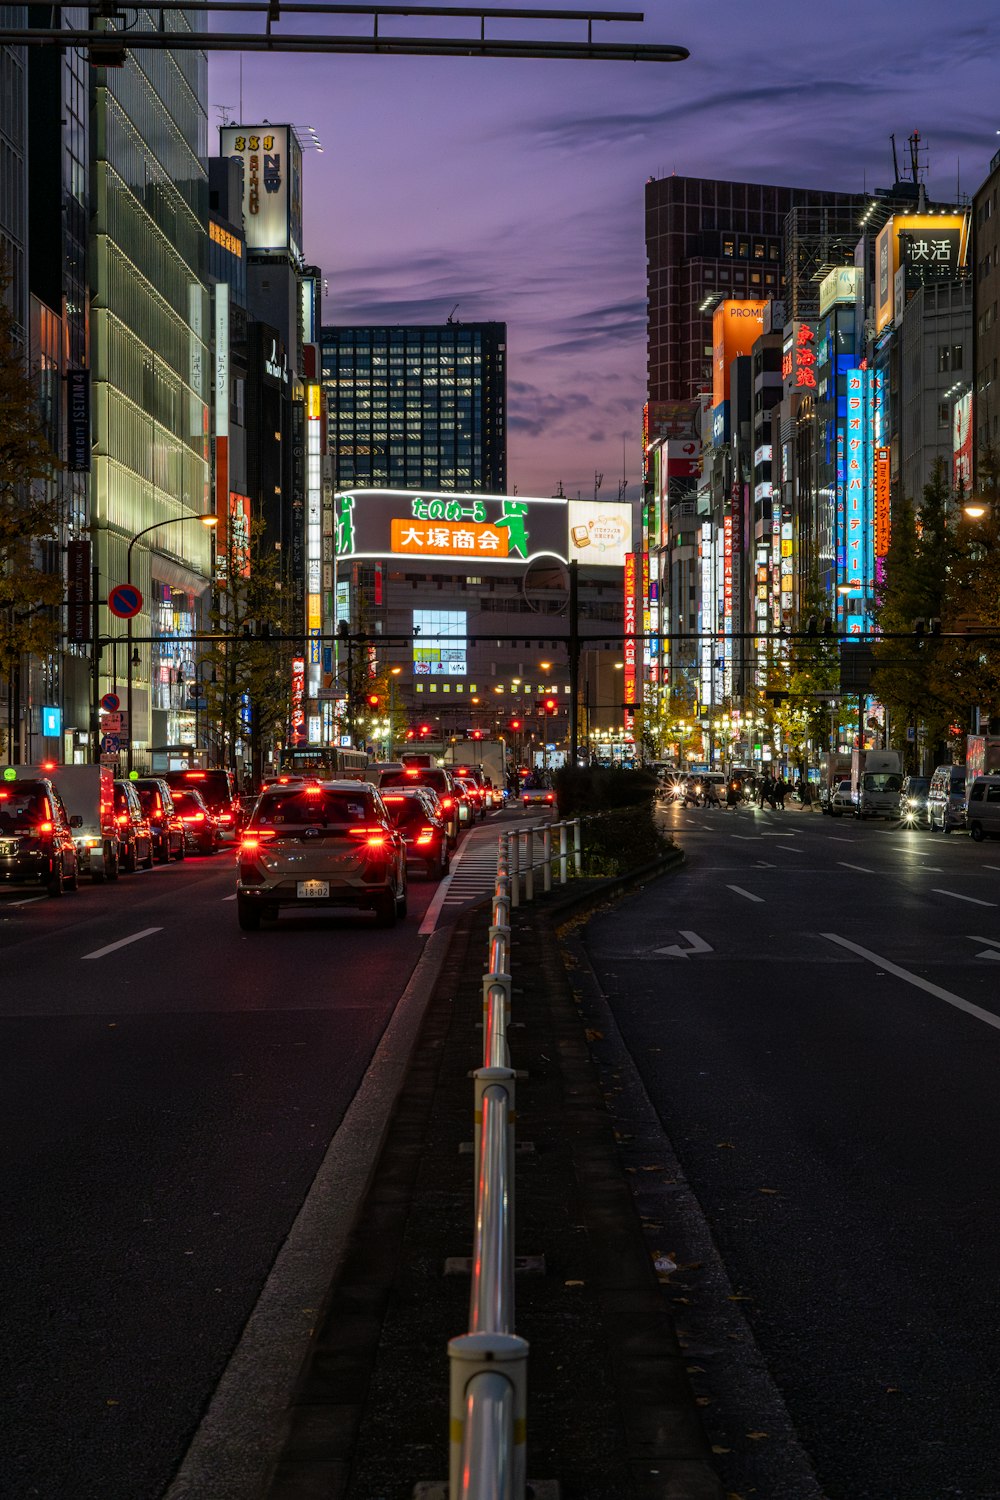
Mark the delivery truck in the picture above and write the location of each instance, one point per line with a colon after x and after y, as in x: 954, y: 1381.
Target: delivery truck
x: 89, y: 793
x: 876, y: 783
x: 833, y: 769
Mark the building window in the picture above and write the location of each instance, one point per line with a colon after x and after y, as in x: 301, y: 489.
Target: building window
x: 728, y: 247
x: 944, y: 357
x: 944, y: 414
x: 956, y: 356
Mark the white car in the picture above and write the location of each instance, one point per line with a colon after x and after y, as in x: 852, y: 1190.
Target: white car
x: 840, y: 801
x: 537, y: 795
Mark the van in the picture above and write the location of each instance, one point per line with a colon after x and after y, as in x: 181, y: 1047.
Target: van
x: 982, y: 812
x: 946, y: 799
x: 218, y: 787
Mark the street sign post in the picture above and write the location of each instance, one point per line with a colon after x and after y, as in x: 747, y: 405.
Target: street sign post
x: 125, y: 601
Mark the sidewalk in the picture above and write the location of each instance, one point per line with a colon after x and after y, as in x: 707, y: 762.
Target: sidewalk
x: 611, y: 1415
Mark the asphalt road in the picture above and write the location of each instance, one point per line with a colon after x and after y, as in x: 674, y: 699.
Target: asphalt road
x: 168, y: 1088
x: 813, y: 1006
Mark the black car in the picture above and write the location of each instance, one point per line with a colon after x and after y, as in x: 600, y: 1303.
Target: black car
x: 419, y: 817
x: 164, y: 820
x: 36, y: 837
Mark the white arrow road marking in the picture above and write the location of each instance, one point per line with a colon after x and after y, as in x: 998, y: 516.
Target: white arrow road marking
x: 863, y: 868
x: 698, y: 945
x: 915, y: 979
x: 973, y: 900
x: 123, y: 942
x: 748, y: 894
x: 992, y: 952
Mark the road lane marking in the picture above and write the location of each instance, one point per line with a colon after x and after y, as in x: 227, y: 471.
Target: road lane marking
x: 789, y: 849
x: 230, y: 898
x: 993, y: 951
x: 836, y: 839
x: 863, y: 868
x: 915, y: 979
x: 674, y: 950
x: 748, y: 894
x: 746, y: 838
x: 123, y: 942
x: 26, y: 901
x: 973, y: 900
x: 991, y: 867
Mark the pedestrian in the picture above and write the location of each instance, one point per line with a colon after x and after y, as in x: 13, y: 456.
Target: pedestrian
x: 712, y: 795
x: 780, y: 792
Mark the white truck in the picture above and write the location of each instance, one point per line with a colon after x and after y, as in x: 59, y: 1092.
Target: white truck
x: 88, y: 791
x: 491, y: 755
x: 876, y: 782
x: 833, y: 769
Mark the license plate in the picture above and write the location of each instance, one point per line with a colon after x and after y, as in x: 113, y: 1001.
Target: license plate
x: 314, y: 888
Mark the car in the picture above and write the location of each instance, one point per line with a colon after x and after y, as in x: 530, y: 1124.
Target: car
x: 317, y: 844
x: 165, y: 823
x: 419, y: 816
x: 135, y: 838
x: 946, y: 799
x: 218, y: 787
x: 37, y: 846
x: 201, y: 832
x: 841, y: 801
x: 913, y: 801
x: 413, y: 774
x: 535, y: 796
x: 473, y: 796
x: 982, y: 814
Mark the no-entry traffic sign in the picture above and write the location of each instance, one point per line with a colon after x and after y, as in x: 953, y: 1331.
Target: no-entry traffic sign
x: 125, y: 601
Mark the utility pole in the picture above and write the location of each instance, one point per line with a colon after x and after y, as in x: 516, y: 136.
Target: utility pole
x: 574, y: 662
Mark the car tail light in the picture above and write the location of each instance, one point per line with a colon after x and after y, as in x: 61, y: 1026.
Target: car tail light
x: 194, y: 817
x: 224, y: 817
x: 447, y: 802
x: 425, y: 836
x: 121, y: 819
x: 45, y: 827
x: 377, y: 840
x: 551, y: 797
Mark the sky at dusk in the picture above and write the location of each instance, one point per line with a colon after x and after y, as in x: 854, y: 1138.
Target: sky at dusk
x: 515, y: 189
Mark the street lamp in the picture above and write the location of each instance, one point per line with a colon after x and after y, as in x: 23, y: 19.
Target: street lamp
x: 208, y: 520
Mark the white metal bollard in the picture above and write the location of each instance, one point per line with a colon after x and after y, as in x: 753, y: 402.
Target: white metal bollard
x: 547, y: 859
x: 529, y: 870
x: 563, y: 872
x: 577, y: 856
x: 515, y: 871
x: 470, y: 1355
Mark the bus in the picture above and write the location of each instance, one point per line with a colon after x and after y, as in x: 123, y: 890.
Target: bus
x: 331, y: 763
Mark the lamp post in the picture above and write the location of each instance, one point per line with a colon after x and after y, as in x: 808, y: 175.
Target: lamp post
x: 207, y: 520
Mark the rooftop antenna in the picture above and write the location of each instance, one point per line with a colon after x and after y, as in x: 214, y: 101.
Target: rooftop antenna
x: 559, y: 494
x: 225, y: 114
x: 598, y: 481
x: 895, y: 162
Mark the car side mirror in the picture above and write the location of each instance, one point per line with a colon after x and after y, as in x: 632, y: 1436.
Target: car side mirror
x: 76, y: 821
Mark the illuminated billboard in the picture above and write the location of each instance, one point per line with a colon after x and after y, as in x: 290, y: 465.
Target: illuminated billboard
x: 842, y: 285
x: 600, y: 532
x: 509, y: 530
x: 735, y: 328
x: 272, y: 185
x: 962, y: 442
x: 439, y: 642
x: 922, y: 243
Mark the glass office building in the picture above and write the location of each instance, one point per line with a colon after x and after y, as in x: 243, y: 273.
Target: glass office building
x: 413, y: 407
x: 150, y: 364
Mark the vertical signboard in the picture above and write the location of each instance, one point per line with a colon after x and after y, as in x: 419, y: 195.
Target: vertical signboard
x: 858, y: 539
x: 221, y: 427
x: 297, y: 723
x: 962, y: 442
x: 272, y: 185
x: 708, y: 601
x: 78, y: 590
x: 881, y: 501
x: 313, y: 532
x: 631, y: 582
x: 78, y: 421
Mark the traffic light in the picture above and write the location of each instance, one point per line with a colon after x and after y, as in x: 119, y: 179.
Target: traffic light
x: 551, y: 706
x: 373, y: 700
x: 424, y: 731
x: 514, y: 725
x: 476, y: 734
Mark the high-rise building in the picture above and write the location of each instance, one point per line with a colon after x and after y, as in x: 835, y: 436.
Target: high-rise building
x: 707, y: 241
x: 984, y: 398
x: 150, y: 369
x: 418, y: 407
x: 14, y: 168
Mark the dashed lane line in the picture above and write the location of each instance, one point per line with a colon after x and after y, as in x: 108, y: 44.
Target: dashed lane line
x: 123, y: 942
x: 915, y: 979
x: 973, y: 900
x: 748, y: 895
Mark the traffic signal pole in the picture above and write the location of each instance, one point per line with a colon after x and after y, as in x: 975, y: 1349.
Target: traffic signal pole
x: 573, y: 647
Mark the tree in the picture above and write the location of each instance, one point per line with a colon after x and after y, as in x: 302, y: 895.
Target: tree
x: 31, y: 589
x: 914, y: 676
x: 248, y: 686
x: 812, y: 676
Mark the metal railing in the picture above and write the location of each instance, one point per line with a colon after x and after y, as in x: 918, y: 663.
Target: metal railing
x: 489, y: 1364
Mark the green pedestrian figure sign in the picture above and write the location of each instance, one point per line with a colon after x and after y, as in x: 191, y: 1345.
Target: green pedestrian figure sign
x: 345, y: 526
x: 512, y: 516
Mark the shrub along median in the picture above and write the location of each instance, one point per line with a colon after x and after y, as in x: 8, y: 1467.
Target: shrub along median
x: 616, y: 806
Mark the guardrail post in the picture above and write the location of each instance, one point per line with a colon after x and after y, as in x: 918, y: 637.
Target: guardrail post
x: 502, y: 982
x: 469, y: 1355
x: 529, y: 872
x: 563, y: 845
x: 547, y: 859
x: 515, y: 871
x: 577, y: 859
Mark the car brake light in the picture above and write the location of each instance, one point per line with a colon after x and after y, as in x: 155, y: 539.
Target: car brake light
x: 224, y: 817
x: 121, y: 819
x: 412, y: 771
x: 395, y: 799
x: 194, y: 817
x: 195, y: 775
x: 377, y: 840
x: 551, y: 797
x: 45, y: 827
x: 425, y: 836
x: 447, y: 802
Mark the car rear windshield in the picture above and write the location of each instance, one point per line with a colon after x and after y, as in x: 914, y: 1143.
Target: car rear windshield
x: 313, y: 806
x: 22, y: 811
x: 214, y: 786
x: 407, y: 812
x: 419, y: 776
x: 149, y: 796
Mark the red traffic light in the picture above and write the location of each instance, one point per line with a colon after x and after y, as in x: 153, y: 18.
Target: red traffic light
x: 515, y: 724
x: 373, y: 700
x: 477, y: 734
x: 551, y: 705
x: 425, y: 729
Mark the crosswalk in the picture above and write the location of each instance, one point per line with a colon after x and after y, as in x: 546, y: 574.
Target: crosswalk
x: 473, y: 875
